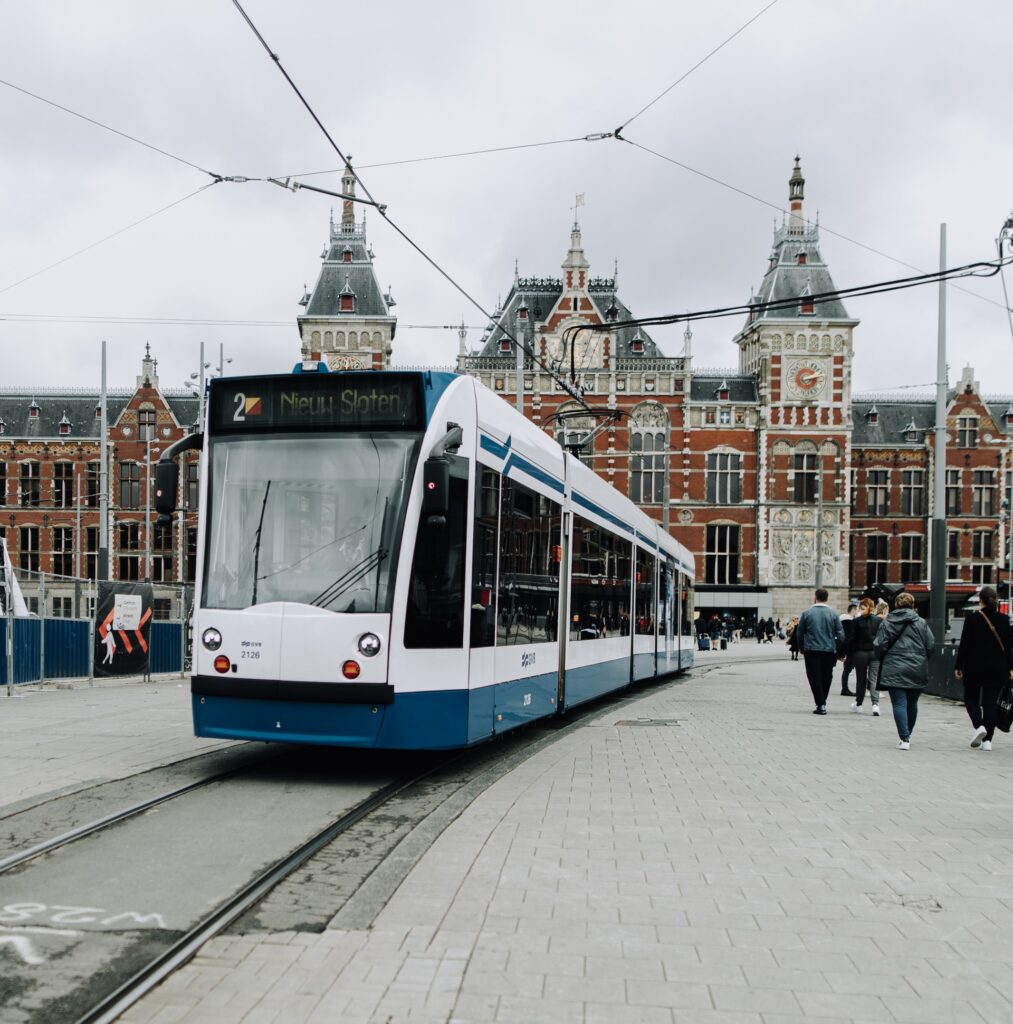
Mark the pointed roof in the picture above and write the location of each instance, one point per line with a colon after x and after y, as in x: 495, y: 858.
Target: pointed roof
x: 796, y: 267
x: 347, y: 264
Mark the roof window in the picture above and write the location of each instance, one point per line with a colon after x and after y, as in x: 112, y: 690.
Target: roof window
x: 722, y: 391
x: 34, y: 409
x: 801, y: 259
x: 64, y: 425
x: 872, y: 415
x: 637, y: 343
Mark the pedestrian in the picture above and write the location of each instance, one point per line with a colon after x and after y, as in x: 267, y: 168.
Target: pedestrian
x: 768, y: 630
x: 792, y: 633
x: 820, y: 636
x: 863, y: 634
x: 985, y: 663
x: 848, y: 622
x: 904, y: 645
x: 881, y: 611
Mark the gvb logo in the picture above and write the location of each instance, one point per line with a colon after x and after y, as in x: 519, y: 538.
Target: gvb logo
x: 528, y: 659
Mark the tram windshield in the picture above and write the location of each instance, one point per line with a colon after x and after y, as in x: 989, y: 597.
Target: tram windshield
x: 314, y: 520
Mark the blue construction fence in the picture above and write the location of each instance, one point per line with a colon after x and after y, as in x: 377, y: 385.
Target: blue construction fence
x: 68, y: 650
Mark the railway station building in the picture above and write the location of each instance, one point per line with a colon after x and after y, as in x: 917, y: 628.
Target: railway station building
x: 774, y: 473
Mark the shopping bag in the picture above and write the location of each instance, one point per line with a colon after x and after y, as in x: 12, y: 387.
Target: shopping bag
x: 1005, y: 706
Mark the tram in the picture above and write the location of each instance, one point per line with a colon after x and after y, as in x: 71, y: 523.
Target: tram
x: 401, y: 560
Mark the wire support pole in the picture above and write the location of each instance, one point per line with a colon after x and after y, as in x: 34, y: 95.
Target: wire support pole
x: 937, y: 575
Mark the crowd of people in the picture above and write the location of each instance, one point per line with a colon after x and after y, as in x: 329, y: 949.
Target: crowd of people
x: 889, y: 650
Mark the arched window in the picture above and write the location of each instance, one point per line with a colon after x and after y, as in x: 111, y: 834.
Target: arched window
x: 648, y: 432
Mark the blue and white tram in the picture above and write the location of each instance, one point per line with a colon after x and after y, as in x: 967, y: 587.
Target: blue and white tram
x: 401, y: 560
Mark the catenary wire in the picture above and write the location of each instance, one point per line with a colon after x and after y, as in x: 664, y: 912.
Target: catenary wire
x: 780, y: 209
x: 114, y: 234
x: 978, y: 269
x: 592, y: 137
x: 698, y: 64
x: 108, y: 128
x: 404, y: 235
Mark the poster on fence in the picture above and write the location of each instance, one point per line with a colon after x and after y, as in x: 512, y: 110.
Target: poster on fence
x: 122, y: 629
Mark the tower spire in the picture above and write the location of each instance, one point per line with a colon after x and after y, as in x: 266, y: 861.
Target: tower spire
x: 796, y: 194
x: 348, y: 189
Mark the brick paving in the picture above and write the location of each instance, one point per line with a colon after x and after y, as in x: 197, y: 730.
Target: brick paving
x: 60, y: 739
x: 744, y: 863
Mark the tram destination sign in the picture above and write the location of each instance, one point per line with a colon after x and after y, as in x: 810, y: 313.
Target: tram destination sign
x: 333, y: 401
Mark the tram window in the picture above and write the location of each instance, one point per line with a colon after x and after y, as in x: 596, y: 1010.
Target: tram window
x: 600, y: 583
x: 645, y: 602
x: 435, y: 616
x: 527, y: 604
x: 483, y: 568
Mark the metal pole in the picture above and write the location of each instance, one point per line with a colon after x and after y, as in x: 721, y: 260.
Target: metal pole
x: 520, y: 363
x: 147, y: 508
x: 937, y: 574
x: 91, y: 635
x: 200, y: 395
x: 9, y: 607
x: 77, y: 531
x: 42, y: 627
x: 103, y: 486
x: 819, y: 520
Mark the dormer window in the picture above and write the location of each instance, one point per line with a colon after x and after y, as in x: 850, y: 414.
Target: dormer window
x: 1008, y: 416
x: 872, y: 415
x: 722, y: 392
x: 504, y: 344
x: 3, y: 427
x: 33, y: 410
x: 346, y: 255
x: 801, y: 259
x: 64, y: 425
x: 911, y: 432
x: 637, y: 344
x: 346, y: 298
x: 806, y: 307
x: 522, y: 313
x: 98, y: 412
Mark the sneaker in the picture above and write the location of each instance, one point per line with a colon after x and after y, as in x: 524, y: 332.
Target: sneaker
x: 979, y: 735
x: 875, y: 710
x: 986, y: 745
x: 904, y: 745
x: 821, y: 710
x: 857, y: 708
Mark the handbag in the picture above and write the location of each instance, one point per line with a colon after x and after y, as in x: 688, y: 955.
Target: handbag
x: 1004, y: 720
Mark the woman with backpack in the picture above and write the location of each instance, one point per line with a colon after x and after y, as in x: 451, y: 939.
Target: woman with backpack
x: 904, y: 645
x: 985, y: 663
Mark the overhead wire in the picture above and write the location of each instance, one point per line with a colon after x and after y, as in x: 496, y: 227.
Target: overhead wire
x: 108, y: 128
x: 983, y: 268
x: 108, y: 237
x: 698, y: 64
x: 400, y: 231
x: 781, y: 209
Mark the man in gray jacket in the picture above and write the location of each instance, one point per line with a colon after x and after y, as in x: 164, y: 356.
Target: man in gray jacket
x: 820, y: 639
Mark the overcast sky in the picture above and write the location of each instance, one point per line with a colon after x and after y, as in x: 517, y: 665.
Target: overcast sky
x: 900, y: 111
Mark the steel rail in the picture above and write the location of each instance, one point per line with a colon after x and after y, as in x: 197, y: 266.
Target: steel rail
x: 187, y: 946
x: 48, y: 845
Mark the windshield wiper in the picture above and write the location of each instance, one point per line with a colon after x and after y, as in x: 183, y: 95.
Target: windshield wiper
x: 348, y: 579
x: 256, y: 543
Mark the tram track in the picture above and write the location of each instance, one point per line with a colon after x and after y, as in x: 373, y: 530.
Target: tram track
x: 153, y: 973
x: 407, y: 810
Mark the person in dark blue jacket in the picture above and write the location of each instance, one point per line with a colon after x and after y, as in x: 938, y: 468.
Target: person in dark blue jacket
x: 820, y: 639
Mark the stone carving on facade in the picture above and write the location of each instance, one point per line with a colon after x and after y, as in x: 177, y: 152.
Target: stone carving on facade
x: 804, y: 571
x: 782, y: 571
x: 685, y: 516
x: 805, y: 518
x: 782, y: 515
x: 781, y: 543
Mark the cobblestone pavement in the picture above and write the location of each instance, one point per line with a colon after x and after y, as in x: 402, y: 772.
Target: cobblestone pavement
x: 56, y: 740
x: 735, y: 860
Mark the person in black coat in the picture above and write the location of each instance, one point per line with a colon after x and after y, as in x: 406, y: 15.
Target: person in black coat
x: 985, y: 663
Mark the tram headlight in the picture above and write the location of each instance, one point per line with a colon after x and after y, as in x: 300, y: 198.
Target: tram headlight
x: 369, y: 645
x: 211, y: 639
